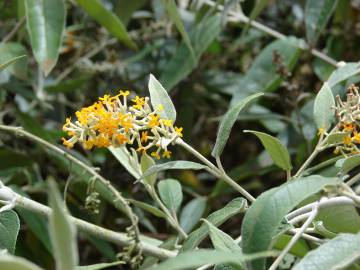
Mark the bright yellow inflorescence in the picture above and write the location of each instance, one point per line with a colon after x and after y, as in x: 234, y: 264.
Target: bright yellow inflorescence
x: 112, y: 122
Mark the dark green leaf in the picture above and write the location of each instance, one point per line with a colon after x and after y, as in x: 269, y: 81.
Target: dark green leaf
x: 317, y: 14
x: 227, y: 123
x: 45, y: 24
x: 182, y: 63
x: 9, y: 229
x: 107, y: 19
x: 217, y: 218
x: 170, y: 192
x: 334, y: 254
x: 62, y: 232
x: 265, y: 215
x: 275, y: 148
x: 191, y: 213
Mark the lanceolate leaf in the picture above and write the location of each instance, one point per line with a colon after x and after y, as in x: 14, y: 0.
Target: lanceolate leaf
x: 124, y: 157
x: 13, y: 56
x: 173, y: 165
x: 170, y: 193
x: 159, y: 97
x: 275, y: 148
x: 317, y: 14
x: 107, y: 19
x: 146, y: 162
x: 227, y: 123
x: 8, y: 262
x: 191, y: 213
x: 98, y: 266
x: 343, y: 73
x: 174, y: 15
x: 265, y: 215
x: 62, y: 232
x: 9, y: 229
x: 323, y: 107
x: 220, y: 239
x: 350, y: 163
x: 182, y: 63
x: 334, y: 254
x: 149, y: 208
x: 217, y: 218
x: 45, y: 24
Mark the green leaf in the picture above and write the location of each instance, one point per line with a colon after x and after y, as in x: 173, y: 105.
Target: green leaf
x: 227, y: 123
x: 45, y: 23
x: 350, y: 163
x: 146, y: 162
x: 236, y: 206
x: 275, y: 148
x: 196, y: 258
x: 13, y: 55
x: 8, y: 262
x: 263, y: 218
x: 107, y: 19
x: 173, y: 165
x: 323, y: 107
x: 147, y: 207
x: 191, y: 213
x: 170, y: 192
x: 9, y: 230
x: 174, y: 15
x: 98, y: 266
x: 220, y: 239
x: 259, y: 6
x: 334, y: 254
x: 125, y: 158
x: 125, y: 9
x: 262, y: 75
x: 182, y: 63
x: 317, y: 14
x: 62, y: 232
x: 336, y: 137
x: 340, y: 218
x: 343, y: 73
x: 159, y: 96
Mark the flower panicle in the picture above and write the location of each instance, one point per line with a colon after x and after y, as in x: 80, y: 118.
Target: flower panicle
x: 111, y: 121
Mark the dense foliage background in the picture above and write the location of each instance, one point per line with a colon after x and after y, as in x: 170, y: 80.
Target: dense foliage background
x: 207, y: 59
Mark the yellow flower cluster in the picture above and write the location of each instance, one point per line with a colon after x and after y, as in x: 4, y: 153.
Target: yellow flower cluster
x: 112, y: 122
x: 348, y: 113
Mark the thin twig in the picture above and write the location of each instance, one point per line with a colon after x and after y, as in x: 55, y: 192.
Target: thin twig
x: 14, y: 30
x: 296, y: 237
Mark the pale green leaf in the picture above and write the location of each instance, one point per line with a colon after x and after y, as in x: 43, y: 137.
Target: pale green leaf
x: 13, y: 56
x: 263, y: 218
x: 159, y: 97
x: 317, y: 14
x: 337, y: 253
x: 323, y: 107
x: 220, y: 239
x: 9, y: 230
x: 9, y: 262
x: 62, y: 232
x: 146, y: 162
x: 191, y: 213
x: 182, y: 63
x: 275, y: 148
x: 350, y: 163
x: 107, y: 19
x: 173, y: 165
x: 227, y: 123
x: 126, y: 159
x: 336, y: 137
x: 45, y: 23
x: 170, y: 192
x: 343, y: 73
x: 236, y: 206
